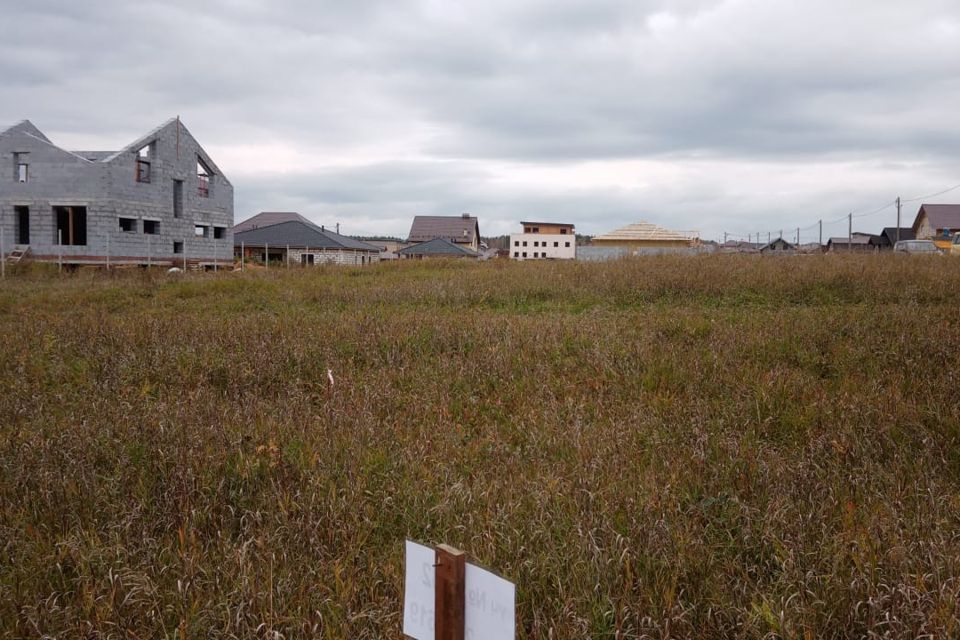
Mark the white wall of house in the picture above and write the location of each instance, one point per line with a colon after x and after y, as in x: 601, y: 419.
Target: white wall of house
x: 334, y: 256
x: 538, y: 246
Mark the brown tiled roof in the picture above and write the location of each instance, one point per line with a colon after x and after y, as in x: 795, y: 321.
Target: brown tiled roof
x: 267, y: 218
x: 941, y: 216
x: 460, y: 229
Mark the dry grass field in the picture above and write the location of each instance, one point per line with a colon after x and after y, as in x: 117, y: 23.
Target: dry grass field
x: 711, y: 447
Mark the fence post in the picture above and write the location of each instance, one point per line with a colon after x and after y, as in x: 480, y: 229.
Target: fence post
x: 108, y: 250
x: 450, y: 593
x: 59, y: 250
x: 266, y: 255
x: 288, y: 256
x: 243, y: 255
x: 3, y: 256
x: 184, y: 254
x: 149, y: 253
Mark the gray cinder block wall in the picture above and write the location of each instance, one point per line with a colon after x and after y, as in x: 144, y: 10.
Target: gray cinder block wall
x: 106, y: 184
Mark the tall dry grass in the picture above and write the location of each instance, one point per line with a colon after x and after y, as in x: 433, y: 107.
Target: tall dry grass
x: 709, y: 447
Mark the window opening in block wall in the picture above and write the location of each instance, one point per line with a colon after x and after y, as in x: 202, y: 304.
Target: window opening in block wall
x: 144, y: 158
x: 23, y: 224
x: 177, y: 198
x: 70, y: 225
x: 21, y: 169
x: 204, y: 174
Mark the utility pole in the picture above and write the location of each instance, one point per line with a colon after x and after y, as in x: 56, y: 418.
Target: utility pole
x: 724, y: 237
x: 850, y: 232
x: 768, y: 237
x: 821, y: 232
x: 798, y: 236
x: 898, y: 218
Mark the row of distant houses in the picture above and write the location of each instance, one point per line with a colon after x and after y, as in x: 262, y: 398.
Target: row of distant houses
x: 936, y: 222
x: 162, y: 200
x: 857, y: 241
x: 289, y: 238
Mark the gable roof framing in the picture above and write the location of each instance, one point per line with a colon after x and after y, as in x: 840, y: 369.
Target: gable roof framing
x: 647, y: 232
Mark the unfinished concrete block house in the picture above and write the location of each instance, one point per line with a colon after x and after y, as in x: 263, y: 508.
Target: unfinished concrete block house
x: 160, y: 200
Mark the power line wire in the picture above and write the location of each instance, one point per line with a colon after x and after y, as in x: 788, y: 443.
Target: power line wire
x: 851, y: 215
x: 876, y: 211
x: 933, y: 195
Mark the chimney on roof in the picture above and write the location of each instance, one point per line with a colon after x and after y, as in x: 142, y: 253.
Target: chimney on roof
x: 338, y: 228
x: 465, y: 216
x: 321, y: 228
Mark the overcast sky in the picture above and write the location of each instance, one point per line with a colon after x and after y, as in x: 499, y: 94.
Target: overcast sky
x: 709, y: 115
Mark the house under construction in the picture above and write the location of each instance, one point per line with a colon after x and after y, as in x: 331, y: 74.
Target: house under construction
x: 159, y: 200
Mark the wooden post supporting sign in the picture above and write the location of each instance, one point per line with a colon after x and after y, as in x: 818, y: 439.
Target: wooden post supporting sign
x: 447, y: 598
x: 450, y: 593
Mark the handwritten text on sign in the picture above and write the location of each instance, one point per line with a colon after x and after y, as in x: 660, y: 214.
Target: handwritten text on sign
x: 490, y: 611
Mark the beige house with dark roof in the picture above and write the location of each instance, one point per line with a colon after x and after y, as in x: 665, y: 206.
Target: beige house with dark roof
x: 937, y: 222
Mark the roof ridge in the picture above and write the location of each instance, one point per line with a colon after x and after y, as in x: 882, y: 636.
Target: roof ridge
x: 140, y: 141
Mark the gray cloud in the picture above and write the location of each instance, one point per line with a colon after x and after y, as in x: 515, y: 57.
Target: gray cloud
x: 705, y: 114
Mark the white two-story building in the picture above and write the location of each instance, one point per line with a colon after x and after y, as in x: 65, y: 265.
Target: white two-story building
x: 544, y: 241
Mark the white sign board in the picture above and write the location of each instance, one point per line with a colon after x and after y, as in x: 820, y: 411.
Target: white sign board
x: 418, y: 592
x: 490, y: 611
x: 490, y: 607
